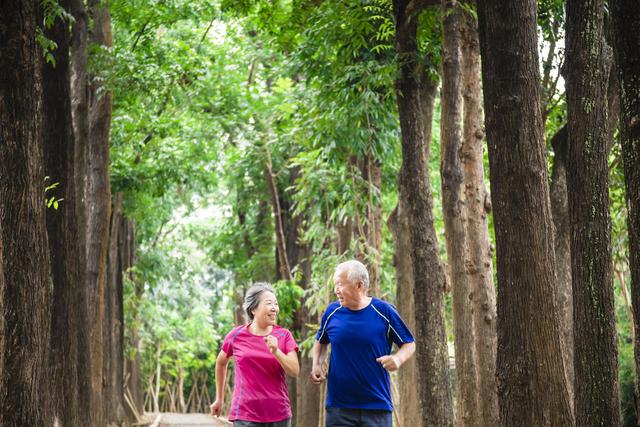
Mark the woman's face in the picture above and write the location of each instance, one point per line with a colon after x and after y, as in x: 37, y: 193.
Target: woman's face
x: 266, y: 312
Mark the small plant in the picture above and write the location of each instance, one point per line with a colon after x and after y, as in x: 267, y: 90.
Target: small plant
x: 51, y: 201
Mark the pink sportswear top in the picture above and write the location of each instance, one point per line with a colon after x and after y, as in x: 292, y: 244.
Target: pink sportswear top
x: 260, y: 391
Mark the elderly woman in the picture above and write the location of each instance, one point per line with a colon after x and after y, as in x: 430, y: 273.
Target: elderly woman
x: 263, y: 353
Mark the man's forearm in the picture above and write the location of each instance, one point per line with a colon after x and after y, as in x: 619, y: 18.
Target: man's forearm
x: 319, y: 354
x: 405, y: 352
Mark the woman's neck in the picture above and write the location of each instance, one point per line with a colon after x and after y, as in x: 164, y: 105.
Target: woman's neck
x: 260, y: 329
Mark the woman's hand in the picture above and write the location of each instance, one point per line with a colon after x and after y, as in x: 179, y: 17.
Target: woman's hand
x: 272, y: 343
x: 216, y: 408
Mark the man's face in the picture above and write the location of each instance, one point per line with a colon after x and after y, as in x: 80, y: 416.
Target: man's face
x: 348, y: 292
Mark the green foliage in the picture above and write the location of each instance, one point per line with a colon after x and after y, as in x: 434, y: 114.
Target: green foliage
x: 52, y: 201
x: 203, y: 93
x: 51, y: 10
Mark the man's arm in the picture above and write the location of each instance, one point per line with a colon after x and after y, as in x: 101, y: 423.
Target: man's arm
x: 319, y: 357
x: 393, y: 362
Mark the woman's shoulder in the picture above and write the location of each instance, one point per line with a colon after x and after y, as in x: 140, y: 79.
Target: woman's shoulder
x: 280, y: 331
x: 235, y: 331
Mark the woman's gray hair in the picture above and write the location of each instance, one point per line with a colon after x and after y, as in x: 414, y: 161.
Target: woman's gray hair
x: 356, y: 271
x: 253, y: 296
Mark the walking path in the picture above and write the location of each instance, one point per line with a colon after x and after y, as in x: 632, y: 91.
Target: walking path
x: 186, y: 420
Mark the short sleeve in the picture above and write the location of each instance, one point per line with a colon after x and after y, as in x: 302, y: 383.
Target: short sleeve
x: 289, y: 343
x: 322, y: 335
x: 400, y: 333
x: 227, y: 344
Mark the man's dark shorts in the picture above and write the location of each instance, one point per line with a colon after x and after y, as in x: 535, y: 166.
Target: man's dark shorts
x: 283, y: 423
x: 344, y: 417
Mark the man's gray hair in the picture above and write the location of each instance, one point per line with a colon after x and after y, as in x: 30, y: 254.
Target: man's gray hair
x: 253, y: 296
x: 356, y: 271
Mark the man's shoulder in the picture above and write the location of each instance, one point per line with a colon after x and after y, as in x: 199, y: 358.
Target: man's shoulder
x: 332, y: 307
x: 382, y: 304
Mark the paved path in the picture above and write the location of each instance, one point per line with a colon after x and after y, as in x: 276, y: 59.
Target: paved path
x: 187, y: 420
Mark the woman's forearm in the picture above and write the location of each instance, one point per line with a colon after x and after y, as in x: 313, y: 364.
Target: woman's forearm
x: 289, y: 362
x: 221, y: 375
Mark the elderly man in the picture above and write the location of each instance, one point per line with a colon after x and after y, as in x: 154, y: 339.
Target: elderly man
x: 361, y: 331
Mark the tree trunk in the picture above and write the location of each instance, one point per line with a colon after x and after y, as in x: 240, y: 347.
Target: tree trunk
x: 308, y: 395
x: 113, y: 366
x: 595, y: 345
x: 3, y: 392
x: 432, y: 354
x: 80, y: 116
x: 99, y: 206
x: 135, y: 379
x: 344, y: 233
x: 562, y: 248
x: 25, y: 286
x: 371, y: 171
x: 479, y: 263
x: 284, y: 270
x: 62, y: 227
x: 453, y: 206
x: 531, y: 384
x: 626, y: 22
x: 133, y: 365
x: 408, y: 405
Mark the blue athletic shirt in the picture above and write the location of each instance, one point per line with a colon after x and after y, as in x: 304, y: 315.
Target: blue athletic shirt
x: 358, y: 338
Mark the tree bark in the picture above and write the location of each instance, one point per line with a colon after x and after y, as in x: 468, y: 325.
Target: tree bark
x: 284, y: 269
x: 371, y: 171
x: 407, y: 407
x: 308, y: 395
x: 453, y: 206
x: 62, y: 228
x: 113, y: 362
x: 626, y: 24
x: 99, y: 210
x: 595, y: 344
x: 479, y: 268
x: 531, y: 384
x: 25, y: 291
x: 562, y: 248
x: 432, y: 354
x: 80, y: 119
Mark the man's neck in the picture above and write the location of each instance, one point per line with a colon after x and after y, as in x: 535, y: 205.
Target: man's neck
x: 360, y: 304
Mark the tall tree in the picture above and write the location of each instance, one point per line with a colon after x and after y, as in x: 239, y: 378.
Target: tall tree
x: 62, y: 225
x: 595, y: 348
x: 80, y: 118
x: 113, y: 331
x: 531, y: 382
x: 454, y: 212
x: 562, y: 245
x: 408, y: 405
x: 479, y: 268
x: 371, y: 171
x: 98, y: 196
x: 432, y: 355
x: 308, y: 405
x: 626, y: 28
x: 25, y: 291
